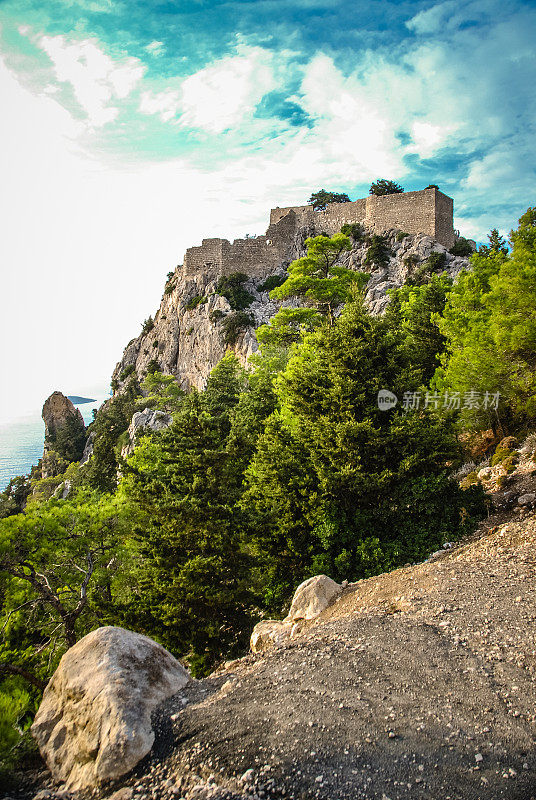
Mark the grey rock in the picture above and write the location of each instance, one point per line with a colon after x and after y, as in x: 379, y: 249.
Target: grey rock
x: 94, y: 722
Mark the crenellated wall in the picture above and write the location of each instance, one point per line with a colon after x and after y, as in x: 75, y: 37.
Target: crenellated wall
x: 428, y: 211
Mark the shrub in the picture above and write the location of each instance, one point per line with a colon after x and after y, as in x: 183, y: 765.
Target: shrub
x: 147, y: 326
x: 234, y: 324
x: 354, y: 230
x: 379, y: 252
x: 461, y: 247
x: 433, y: 186
x: 155, y: 343
x: 216, y: 315
x: 412, y: 260
x: 435, y: 263
x: 401, y: 235
x: 272, y: 282
x: 231, y: 287
x: 198, y: 300
x: 127, y: 372
x: 153, y: 366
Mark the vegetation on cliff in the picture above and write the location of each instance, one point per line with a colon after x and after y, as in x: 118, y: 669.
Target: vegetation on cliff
x: 273, y: 474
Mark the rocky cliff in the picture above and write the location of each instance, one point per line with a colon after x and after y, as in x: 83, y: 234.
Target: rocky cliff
x: 186, y: 337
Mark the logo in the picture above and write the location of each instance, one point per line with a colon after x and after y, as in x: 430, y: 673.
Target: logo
x: 386, y: 400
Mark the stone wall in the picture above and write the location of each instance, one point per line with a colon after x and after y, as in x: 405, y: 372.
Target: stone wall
x: 428, y: 211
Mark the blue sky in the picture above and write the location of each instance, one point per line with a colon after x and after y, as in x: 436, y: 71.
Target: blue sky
x: 132, y: 129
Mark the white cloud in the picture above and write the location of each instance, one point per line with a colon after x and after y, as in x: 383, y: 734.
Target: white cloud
x: 221, y: 95
x: 166, y: 104
x: 97, y: 79
x: 156, y: 48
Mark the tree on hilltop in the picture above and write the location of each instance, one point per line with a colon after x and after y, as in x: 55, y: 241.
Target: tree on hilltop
x: 382, y: 187
x: 319, y: 200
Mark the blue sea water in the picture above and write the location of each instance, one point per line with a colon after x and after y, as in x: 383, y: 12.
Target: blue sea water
x: 21, y: 442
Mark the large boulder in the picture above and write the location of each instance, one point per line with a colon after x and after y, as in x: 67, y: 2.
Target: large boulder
x: 312, y: 597
x: 268, y: 633
x: 147, y: 420
x: 94, y: 722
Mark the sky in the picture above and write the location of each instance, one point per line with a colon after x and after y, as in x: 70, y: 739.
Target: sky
x: 131, y: 130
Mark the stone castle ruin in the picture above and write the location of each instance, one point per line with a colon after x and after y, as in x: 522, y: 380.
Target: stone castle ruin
x: 428, y: 211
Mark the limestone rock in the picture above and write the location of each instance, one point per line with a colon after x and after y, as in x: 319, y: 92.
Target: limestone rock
x: 148, y: 419
x: 187, y: 341
x: 57, y: 411
x: 268, y: 633
x: 526, y: 499
x: 312, y: 597
x: 94, y: 722
x: 88, y: 449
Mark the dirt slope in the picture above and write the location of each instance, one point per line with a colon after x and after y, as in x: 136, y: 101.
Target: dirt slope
x: 416, y: 684
x: 419, y: 683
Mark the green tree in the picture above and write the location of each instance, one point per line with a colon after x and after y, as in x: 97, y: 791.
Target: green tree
x: 382, y: 187
x: 111, y: 422
x: 232, y: 288
x: 336, y: 484
x: 496, y: 244
x: 321, y: 199
x: 319, y: 279
x: 163, y: 391
x: 14, y: 496
x: 195, y: 591
x: 413, y: 312
x: 379, y: 252
x: 489, y: 323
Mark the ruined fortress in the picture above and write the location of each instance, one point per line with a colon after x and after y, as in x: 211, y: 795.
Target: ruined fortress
x: 428, y: 211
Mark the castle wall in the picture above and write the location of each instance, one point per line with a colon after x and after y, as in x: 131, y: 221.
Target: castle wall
x: 428, y: 211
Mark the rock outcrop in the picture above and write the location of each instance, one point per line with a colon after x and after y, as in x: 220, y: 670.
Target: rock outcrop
x: 148, y: 419
x: 64, y: 433
x: 311, y: 598
x: 186, y: 337
x: 57, y: 412
x: 94, y: 722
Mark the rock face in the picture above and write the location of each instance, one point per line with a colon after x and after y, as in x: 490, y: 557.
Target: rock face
x: 94, y: 722
x: 148, y: 419
x: 57, y: 412
x: 186, y: 339
x: 312, y: 597
x: 64, y: 433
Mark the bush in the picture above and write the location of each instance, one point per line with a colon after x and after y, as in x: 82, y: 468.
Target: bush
x: 127, y: 372
x: 354, y: 230
x: 461, y: 247
x: 234, y: 324
x: 216, y: 315
x: 231, y: 287
x: 153, y: 366
x: 379, y: 252
x: 401, y: 235
x: 272, y: 282
x: 147, y: 326
x: 196, y: 301
x: 435, y: 263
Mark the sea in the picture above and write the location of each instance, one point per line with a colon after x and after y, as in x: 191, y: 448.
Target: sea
x: 21, y: 441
